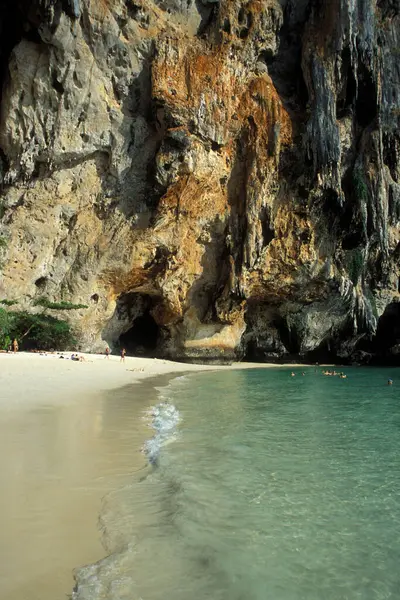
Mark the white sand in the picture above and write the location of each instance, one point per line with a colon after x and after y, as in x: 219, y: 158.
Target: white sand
x: 31, y: 379
x: 28, y: 379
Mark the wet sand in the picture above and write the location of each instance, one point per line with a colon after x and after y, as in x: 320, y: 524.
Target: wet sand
x: 56, y: 464
x: 63, y: 447
x: 70, y: 433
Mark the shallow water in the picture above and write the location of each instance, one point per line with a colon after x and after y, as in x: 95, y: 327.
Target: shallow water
x: 56, y: 464
x: 272, y: 487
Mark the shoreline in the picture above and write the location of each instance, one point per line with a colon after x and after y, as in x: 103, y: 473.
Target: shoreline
x: 61, y: 457
x: 70, y: 434
x: 52, y: 380
x: 149, y: 388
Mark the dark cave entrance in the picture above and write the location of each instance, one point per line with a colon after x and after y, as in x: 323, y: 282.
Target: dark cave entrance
x: 133, y: 326
x: 367, y: 97
x: 384, y: 347
x: 388, y: 330
x: 142, y: 337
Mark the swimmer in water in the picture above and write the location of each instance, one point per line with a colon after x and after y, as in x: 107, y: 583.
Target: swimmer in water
x: 390, y: 382
x: 293, y: 374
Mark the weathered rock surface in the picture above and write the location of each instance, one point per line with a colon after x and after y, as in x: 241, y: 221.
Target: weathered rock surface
x: 214, y: 179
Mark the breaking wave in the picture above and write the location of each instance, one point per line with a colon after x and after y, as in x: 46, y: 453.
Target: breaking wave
x: 165, y: 419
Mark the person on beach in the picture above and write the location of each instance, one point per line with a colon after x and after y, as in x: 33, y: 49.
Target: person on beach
x: 15, y: 346
x: 107, y: 352
x: 78, y: 358
x: 123, y: 352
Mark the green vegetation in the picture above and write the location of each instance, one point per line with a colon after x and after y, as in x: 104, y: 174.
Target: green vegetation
x: 8, y: 302
x: 5, y: 327
x: 372, y: 302
x: 37, y: 331
x: 46, y: 303
x: 355, y: 264
x: 3, y: 242
x: 360, y: 184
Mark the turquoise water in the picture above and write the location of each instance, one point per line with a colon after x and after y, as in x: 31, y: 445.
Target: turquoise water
x: 262, y: 487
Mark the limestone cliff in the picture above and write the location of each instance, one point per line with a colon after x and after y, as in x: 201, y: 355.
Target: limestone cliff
x: 214, y: 178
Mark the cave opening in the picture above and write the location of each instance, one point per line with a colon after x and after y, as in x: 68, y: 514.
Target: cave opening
x: 133, y: 326
x: 348, y: 92
x: 367, y: 97
x: 142, y: 337
x: 384, y: 346
x: 388, y: 330
x: 11, y: 34
x: 285, y: 67
x: 324, y: 353
x: 391, y: 146
x: 41, y: 283
x: 289, y: 336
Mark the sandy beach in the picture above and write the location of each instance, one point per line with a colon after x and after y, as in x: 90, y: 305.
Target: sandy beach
x: 29, y: 379
x: 70, y: 433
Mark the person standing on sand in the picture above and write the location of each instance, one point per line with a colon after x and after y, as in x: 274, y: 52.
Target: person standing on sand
x: 123, y: 352
x: 15, y: 346
x: 107, y: 352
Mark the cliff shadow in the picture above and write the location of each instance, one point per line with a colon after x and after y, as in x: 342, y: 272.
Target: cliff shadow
x: 135, y: 186
x: 285, y: 67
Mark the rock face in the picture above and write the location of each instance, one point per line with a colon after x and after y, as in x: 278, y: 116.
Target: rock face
x: 214, y: 179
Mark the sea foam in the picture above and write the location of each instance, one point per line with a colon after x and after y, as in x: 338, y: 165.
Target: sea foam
x: 164, y: 419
